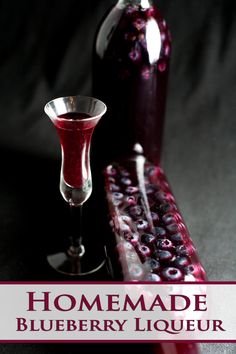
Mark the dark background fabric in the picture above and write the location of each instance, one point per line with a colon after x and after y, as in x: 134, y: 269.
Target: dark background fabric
x: 45, y: 52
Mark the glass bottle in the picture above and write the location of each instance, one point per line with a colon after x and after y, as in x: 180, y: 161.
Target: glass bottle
x: 130, y: 73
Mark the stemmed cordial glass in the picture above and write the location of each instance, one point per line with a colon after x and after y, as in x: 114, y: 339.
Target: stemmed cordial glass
x: 75, y: 118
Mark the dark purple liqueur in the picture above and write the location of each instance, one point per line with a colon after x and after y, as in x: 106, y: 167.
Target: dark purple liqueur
x: 130, y: 73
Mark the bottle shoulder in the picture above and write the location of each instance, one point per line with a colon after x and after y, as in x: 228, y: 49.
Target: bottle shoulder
x: 133, y: 30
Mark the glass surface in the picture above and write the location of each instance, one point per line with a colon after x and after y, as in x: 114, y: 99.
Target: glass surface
x: 153, y: 241
x: 75, y: 118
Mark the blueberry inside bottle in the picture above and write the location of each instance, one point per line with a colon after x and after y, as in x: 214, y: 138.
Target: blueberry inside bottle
x: 130, y: 73
x: 131, y: 64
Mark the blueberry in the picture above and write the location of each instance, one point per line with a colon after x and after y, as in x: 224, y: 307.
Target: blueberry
x: 181, y: 262
x: 164, y: 244
x: 189, y: 269
x: 117, y: 198
x: 153, y: 264
x: 135, y: 211
x: 163, y: 256
x: 144, y: 251
x: 151, y: 12
x: 131, y: 190
x: 134, y: 54
x: 146, y: 72
x: 111, y: 171
x: 153, y: 278
x: 162, y: 65
x: 173, y: 228
x: 124, y: 229
x: 151, y: 171
x: 163, y: 197
x: 148, y: 239
x: 131, y: 200
x: 181, y: 250
x: 124, y: 173
x: 126, y: 181
x: 177, y: 239
x: 142, y: 225
x: 130, y: 37
x: 160, y: 232
x: 129, y: 10
x: 166, y: 208
x: 139, y: 23
x: 117, y: 195
x: 114, y: 188
x: 152, y: 202
x: 117, y: 202
x: 166, y: 49
x: 125, y: 218
x: 155, y: 218
x: 172, y: 274
x: 111, y: 180
x: 169, y: 218
x: 151, y: 189
x: 134, y: 239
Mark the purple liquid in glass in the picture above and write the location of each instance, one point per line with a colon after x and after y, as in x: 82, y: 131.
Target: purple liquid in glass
x: 75, y: 142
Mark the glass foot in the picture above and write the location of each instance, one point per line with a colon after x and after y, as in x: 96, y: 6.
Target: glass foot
x: 75, y: 265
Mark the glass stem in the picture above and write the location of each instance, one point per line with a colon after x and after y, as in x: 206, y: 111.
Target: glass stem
x: 76, y: 247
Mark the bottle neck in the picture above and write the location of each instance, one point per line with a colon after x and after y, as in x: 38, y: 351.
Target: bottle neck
x: 145, y: 4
